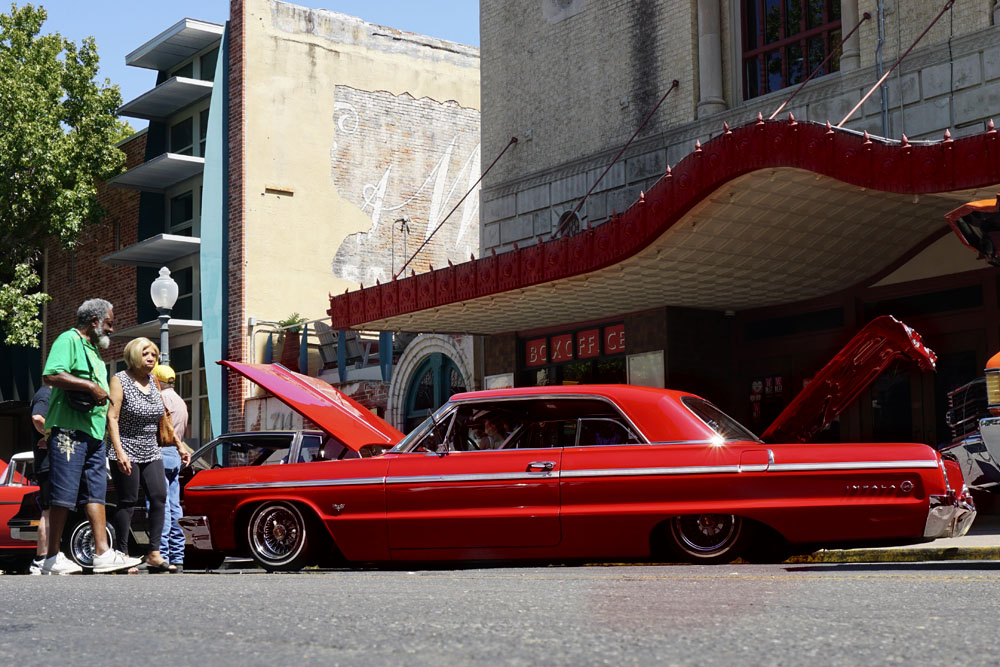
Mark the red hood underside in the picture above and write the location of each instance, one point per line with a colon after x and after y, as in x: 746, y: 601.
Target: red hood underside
x: 838, y: 384
x: 331, y: 410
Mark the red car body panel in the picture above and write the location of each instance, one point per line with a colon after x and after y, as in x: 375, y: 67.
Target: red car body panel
x: 588, y: 501
x: 12, y: 491
x: 331, y: 410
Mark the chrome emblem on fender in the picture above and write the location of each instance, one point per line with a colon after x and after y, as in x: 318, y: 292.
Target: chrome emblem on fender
x: 337, y: 509
x: 876, y: 489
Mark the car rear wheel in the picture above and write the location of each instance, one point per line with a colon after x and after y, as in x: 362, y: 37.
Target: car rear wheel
x: 278, y: 536
x: 79, y: 542
x: 708, y: 538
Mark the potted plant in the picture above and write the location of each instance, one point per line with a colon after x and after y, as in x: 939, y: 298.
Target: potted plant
x: 289, y: 339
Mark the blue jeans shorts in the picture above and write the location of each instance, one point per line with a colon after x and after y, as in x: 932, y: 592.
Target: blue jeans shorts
x: 77, y: 469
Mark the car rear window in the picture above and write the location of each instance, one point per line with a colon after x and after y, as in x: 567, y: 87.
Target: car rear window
x: 717, y: 420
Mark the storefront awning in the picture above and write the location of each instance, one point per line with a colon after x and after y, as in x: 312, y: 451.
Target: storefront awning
x: 151, y: 329
x: 167, y: 98
x: 160, y: 173
x: 175, y: 44
x: 766, y: 214
x: 155, y: 251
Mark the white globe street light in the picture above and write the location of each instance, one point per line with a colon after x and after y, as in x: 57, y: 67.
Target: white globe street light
x: 164, y: 294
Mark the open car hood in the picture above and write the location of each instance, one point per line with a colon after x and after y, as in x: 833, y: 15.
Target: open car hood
x: 838, y: 384
x: 331, y: 410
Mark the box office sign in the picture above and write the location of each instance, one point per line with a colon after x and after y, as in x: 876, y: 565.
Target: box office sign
x: 586, y: 344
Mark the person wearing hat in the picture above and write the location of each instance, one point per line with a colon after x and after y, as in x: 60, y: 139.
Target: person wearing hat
x: 174, y: 458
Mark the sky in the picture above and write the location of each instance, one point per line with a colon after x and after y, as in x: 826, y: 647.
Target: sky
x: 121, y: 26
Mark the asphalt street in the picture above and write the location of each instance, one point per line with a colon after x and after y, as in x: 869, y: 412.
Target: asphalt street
x: 837, y: 614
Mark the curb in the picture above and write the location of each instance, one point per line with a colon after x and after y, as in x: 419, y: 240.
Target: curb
x: 899, y: 555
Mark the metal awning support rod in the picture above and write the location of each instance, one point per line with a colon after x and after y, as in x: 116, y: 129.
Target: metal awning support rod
x: 569, y: 217
x: 820, y: 66
x: 885, y: 76
x: 513, y: 140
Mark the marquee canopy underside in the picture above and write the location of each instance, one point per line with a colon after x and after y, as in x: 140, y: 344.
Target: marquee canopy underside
x: 768, y: 214
x: 766, y: 238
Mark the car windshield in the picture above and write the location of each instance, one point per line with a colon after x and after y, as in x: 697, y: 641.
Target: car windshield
x: 406, y: 443
x: 725, y: 426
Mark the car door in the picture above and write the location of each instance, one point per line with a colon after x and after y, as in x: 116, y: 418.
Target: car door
x: 445, y: 493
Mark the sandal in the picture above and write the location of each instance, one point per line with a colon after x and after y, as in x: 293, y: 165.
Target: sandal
x: 172, y: 569
x: 157, y: 568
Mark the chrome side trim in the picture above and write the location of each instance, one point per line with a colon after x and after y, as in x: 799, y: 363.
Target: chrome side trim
x: 602, y: 472
x: 10, y: 502
x: 359, y: 481
x: 851, y: 465
x: 476, y: 477
x: 631, y: 472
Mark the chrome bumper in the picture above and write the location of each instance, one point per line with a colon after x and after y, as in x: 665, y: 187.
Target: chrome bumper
x: 196, y: 532
x: 949, y: 516
x: 29, y: 534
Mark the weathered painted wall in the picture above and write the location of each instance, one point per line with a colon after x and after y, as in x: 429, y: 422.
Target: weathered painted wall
x: 420, y: 171
x: 336, y: 108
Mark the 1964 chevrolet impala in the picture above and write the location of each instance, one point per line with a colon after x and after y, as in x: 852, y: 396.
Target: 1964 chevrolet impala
x: 578, y: 472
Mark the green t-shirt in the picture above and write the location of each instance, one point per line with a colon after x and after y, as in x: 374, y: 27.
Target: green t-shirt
x: 70, y: 353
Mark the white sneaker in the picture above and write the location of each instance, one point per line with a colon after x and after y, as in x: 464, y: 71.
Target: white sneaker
x: 59, y: 564
x: 36, y: 566
x: 112, y: 561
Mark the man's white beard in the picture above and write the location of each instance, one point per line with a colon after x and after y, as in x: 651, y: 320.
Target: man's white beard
x: 100, y: 339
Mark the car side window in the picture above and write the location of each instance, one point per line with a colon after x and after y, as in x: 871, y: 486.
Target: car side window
x: 547, y: 434
x: 605, y: 431
x: 238, y: 454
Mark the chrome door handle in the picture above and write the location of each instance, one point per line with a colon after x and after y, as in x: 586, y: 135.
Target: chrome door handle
x: 541, y: 465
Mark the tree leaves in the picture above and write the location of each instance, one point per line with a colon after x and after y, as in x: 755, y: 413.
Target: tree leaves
x: 57, y: 142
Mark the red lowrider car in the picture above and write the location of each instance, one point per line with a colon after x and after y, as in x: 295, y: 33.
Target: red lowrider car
x: 576, y: 472
x: 15, y: 483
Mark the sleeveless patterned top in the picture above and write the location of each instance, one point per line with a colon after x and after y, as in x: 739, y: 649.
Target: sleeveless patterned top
x: 138, y: 421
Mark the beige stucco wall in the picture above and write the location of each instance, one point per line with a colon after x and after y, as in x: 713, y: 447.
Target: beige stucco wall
x: 296, y: 218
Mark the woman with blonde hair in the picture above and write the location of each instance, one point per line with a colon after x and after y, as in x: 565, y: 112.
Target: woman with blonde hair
x: 133, y: 421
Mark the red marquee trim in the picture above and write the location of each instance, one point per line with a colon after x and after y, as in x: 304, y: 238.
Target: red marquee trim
x: 877, y: 164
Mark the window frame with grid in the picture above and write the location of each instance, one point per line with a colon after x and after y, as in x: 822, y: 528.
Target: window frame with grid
x: 760, y: 43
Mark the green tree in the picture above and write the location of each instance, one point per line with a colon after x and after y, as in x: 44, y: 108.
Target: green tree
x: 57, y: 141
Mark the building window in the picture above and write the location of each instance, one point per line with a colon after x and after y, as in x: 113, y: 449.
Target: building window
x: 202, y: 131
x: 784, y: 40
x: 206, y: 65
x: 182, y: 213
x: 182, y: 137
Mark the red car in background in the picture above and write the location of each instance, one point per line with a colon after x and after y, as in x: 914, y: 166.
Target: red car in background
x: 16, y: 482
x: 582, y: 472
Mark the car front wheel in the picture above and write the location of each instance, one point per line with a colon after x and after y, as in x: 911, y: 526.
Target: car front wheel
x: 79, y: 543
x: 278, y: 537
x: 708, y: 538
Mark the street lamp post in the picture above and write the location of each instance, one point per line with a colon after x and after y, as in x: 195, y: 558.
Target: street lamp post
x: 164, y: 294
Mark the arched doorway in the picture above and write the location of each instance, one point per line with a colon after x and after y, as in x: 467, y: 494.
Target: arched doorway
x: 435, y: 380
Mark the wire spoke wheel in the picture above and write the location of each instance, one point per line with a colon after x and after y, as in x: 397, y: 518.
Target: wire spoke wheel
x: 277, y: 536
x: 707, y: 538
x: 80, y: 544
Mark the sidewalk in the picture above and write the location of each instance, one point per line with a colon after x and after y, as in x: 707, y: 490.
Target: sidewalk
x: 981, y: 543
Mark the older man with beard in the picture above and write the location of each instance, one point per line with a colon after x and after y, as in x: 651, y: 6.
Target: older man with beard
x: 77, y: 464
